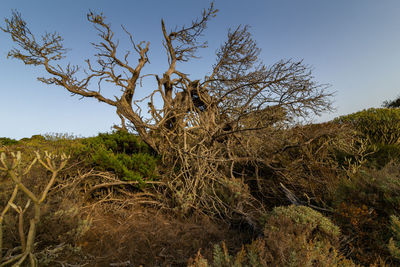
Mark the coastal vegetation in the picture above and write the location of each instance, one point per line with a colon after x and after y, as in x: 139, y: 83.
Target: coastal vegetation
x: 223, y: 171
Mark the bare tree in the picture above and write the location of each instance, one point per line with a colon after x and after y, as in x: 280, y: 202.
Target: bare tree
x: 202, y: 126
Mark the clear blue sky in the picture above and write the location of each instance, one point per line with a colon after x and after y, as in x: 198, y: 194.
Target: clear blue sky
x: 354, y: 45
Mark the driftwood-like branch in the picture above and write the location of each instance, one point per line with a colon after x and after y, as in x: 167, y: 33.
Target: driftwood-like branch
x: 13, y: 171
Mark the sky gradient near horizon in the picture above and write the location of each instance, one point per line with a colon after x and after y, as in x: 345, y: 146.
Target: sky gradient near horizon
x: 353, y: 45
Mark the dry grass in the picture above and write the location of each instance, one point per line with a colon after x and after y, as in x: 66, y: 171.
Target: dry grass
x: 147, y: 236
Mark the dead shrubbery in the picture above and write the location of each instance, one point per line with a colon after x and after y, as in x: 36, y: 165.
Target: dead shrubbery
x: 298, y: 165
x: 12, y: 168
x: 150, y: 237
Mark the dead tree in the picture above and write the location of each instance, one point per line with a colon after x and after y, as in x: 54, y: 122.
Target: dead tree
x: 200, y: 123
x: 13, y: 170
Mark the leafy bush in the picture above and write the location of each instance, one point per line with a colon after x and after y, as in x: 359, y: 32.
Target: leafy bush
x: 392, y: 103
x: 120, y: 142
x: 121, y: 152
x: 380, y: 126
x: 303, y: 216
x: 7, y: 141
x: 293, y: 236
x: 394, y: 243
x: 364, y: 203
x: 384, y: 154
x: 55, y: 143
x: 301, y: 236
x: 379, y: 189
x: 133, y: 167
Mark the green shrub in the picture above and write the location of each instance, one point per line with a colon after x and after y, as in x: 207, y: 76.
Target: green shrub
x: 380, y: 126
x: 293, y: 236
x: 392, y: 103
x: 123, y: 153
x: 394, y: 243
x: 303, y: 216
x: 120, y: 142
x: 379, y: 189
x: 363, y: 204
x: 7, y: 141
x: 380, y: 129
x: 301, y: 236
x: 120, y: 152
x: 133, y: 167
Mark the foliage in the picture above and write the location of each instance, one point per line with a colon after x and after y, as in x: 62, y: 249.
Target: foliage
x: 375, y: 188
x: 120, y: 152
x: 308, y: 161
x: 379, y: 126
x: 249, y: 255
x: 123, y: 153
x: 119, y: 142
x: 394, y: 243
x: 303, y: 216
x: 392, y: 103
x: 55, y: 143
x: 5, y: 141
x: 379, y: 130
x: 301, y: 236
x: 364, y: 203
x: 293, y: 236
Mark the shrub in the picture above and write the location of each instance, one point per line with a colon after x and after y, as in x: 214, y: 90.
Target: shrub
x: 128, y: 167
x: 394, y: 243
x: 380, y: 126
x: 303, y: 216
x: 5, y: 141
x: 375, y: 188
x: 303, y: 159
x: 293, y: 236
x: 120, y: 142
x: 364, y: 203
x: 120, y: 152
x: 392, y: 103
x: 56, y: 143
x: 301, y: 236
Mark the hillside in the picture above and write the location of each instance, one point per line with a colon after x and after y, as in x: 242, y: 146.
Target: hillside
x: 319, y: 195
